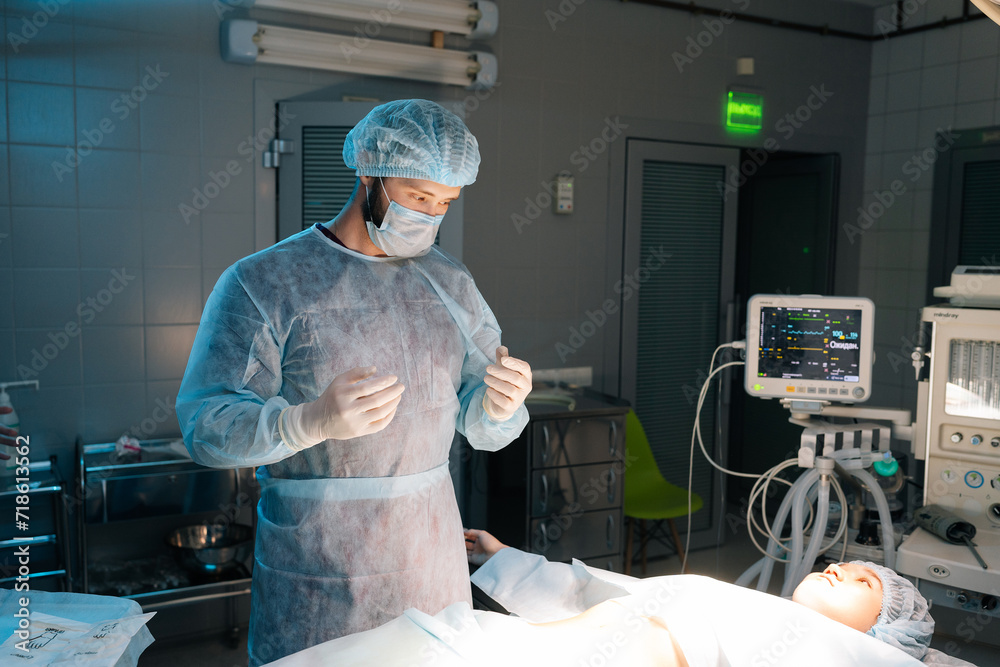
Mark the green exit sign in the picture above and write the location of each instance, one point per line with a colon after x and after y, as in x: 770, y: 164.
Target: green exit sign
x: 745, y: 111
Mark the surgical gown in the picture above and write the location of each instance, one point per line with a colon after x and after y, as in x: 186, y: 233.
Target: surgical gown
x: 350, y: 532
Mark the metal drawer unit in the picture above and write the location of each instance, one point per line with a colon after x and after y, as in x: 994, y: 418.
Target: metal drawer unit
x: 557, y: 489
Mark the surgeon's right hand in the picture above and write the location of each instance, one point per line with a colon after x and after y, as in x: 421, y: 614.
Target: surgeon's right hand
x: 354, y: 404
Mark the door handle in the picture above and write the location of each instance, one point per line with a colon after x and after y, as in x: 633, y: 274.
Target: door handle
x: 612, y: 483
x: 545, y: 493
x: 613, y: 445
x: 610, y: 531
x: 545, y: 443
x: 540, y: 541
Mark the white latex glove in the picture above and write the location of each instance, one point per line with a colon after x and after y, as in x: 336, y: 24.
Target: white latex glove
x: 354, y: 404
x: 480, y: 546
x: 509, y: 382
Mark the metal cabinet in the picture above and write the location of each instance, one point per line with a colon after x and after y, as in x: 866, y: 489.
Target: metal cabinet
x: 557, y: 489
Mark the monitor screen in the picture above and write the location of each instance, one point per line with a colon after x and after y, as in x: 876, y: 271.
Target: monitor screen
x: 809, y: 347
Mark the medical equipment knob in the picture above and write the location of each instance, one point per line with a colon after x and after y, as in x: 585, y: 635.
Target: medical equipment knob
x: 956, y: 438
x: 995, y: 511
x: 976, y: 439
x: 961, y: 598
x: 989, y: 602
x: 995, y: 442
x: 887, y: 467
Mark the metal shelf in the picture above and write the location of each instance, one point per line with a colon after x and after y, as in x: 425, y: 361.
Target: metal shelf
x: 36, y: 575
x: 36, y: 539
x: 158, y: 457
x: 157, y: 600
x: 44, y: 480
x: 159, y: 485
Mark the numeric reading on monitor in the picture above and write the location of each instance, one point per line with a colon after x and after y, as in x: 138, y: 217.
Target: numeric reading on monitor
x: 810, y: 343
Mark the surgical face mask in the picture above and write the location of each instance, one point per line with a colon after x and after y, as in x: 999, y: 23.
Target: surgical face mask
x: 404, y: 232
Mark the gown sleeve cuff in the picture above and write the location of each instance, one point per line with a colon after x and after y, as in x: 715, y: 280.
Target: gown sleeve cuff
x: 289, y: 431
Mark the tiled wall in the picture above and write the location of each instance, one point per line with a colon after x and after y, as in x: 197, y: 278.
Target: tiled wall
x: 102, y: 281
x: 920, y: 83
x: 563, y: 75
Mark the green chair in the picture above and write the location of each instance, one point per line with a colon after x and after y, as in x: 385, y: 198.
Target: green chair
x: 648, y: 495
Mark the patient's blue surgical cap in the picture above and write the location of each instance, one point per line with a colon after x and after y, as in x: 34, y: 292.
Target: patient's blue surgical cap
x: 904, y: 621
x: 413, y: 139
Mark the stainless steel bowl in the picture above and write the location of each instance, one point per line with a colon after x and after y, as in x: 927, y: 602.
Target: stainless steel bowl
x: 211, y: 548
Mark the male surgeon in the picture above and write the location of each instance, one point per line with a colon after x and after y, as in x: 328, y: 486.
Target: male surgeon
x: 341, y: 361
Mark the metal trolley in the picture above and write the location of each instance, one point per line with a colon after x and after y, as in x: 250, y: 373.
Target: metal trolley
x: 126, y: 507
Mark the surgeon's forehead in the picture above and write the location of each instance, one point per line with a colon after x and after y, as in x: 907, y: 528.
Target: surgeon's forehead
x: 426, y: 187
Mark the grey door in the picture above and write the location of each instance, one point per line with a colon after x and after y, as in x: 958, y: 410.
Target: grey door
x: 787, y: 245
x: 679, y: 251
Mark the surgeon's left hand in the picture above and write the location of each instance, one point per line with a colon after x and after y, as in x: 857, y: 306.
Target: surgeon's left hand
x: 509, y: 382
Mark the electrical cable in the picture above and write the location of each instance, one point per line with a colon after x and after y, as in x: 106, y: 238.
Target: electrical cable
x: 697, y: 434
x: 767, y: 477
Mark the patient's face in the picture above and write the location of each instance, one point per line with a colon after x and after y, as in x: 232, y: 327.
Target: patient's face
x: 848, y: 593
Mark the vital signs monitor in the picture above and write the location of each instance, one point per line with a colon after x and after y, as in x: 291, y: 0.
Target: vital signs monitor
x: 810, y: 347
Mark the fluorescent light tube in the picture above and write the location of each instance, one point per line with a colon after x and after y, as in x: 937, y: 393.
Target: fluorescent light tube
x: 476, y: 19
x: 247, y: 42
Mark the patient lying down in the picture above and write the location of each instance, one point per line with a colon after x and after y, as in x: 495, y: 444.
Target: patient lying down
x: 574, y: 616
x: 864, y: 596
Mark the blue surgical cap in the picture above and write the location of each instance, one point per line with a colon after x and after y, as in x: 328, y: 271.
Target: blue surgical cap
x: 904, y: 621
x: 413, y: 139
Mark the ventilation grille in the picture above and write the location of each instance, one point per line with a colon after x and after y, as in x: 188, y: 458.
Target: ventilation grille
x: 327, y: 183
x: 682, y: 215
